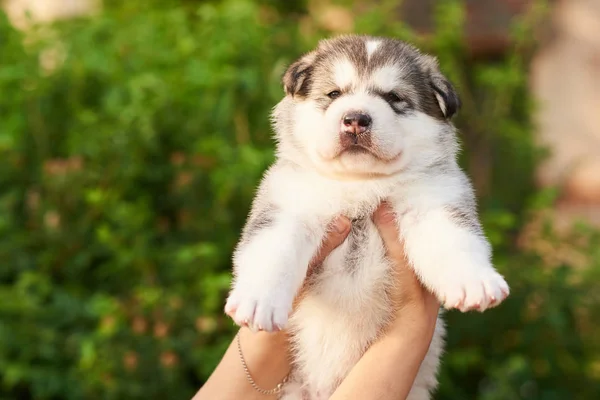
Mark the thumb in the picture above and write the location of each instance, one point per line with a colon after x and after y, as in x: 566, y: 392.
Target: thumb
x: 336, y: 234
x: 385, y: 220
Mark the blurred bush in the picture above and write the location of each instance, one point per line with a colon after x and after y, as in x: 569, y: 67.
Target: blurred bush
x: 130, y: 147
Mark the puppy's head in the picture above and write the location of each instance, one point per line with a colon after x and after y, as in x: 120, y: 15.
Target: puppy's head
x: 360, y: 105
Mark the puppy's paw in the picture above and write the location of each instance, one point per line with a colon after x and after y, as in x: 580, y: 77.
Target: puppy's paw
x: 473, y: 289
x: 260, y: 310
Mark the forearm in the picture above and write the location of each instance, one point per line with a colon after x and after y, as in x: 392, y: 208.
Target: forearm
x: 388, y: 369
x: 266, y: 357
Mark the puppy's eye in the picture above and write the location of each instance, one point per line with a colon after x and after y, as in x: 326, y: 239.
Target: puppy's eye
x: 392, y: 97
x: 334, y: 95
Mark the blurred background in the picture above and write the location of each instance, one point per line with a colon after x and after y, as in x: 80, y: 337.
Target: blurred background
x: 133, y: 134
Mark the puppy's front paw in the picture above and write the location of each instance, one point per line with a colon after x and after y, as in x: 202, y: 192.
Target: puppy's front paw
x: 260, y: 310
x: 474, y: 289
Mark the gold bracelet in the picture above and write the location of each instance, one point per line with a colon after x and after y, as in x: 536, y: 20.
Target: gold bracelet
x: 270, y: 392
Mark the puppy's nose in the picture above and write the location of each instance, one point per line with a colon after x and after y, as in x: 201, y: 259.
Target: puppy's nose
x: 356, y: 123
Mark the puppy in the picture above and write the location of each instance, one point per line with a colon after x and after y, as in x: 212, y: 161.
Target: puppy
x: 364, y: 119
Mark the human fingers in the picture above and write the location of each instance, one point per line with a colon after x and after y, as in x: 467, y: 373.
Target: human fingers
x: 408, y: 288
x: 385, y: 220
x: 336, y: 234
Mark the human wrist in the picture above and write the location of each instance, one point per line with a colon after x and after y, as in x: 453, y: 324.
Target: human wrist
x: 406, y: 346
x: 414, y: 325
x: 265, y: 355
x: 399, y: 352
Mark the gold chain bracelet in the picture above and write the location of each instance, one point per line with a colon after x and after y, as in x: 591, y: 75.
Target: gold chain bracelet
x: 260, y: 390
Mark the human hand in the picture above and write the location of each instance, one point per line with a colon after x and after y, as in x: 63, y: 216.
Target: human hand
x: 337, y: 231
x: 388, y: 368
x: 336, y: 234
x: 266, y: 353
x: 265, y: 304
x: 416, y: 307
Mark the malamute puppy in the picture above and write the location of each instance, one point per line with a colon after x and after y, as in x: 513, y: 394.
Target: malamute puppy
x: 364, y: 119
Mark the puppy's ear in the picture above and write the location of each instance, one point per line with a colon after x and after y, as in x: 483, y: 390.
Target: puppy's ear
x: 446, y: 95
x: 298, y: 77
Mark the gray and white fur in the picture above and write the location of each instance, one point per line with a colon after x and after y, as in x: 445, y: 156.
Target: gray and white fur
x: 364, y: 119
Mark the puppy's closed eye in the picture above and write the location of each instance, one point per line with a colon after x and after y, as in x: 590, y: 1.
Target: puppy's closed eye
x: 334, y: 94
x: 397, y: 102
x: 392, y: 97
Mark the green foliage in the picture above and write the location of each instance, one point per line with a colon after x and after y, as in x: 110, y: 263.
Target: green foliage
x: 130, y: 147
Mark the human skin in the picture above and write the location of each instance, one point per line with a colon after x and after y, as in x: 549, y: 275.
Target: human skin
x: 386, y: 371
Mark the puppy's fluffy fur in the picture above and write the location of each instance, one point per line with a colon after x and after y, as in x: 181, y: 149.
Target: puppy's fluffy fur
x: 403, y: 150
